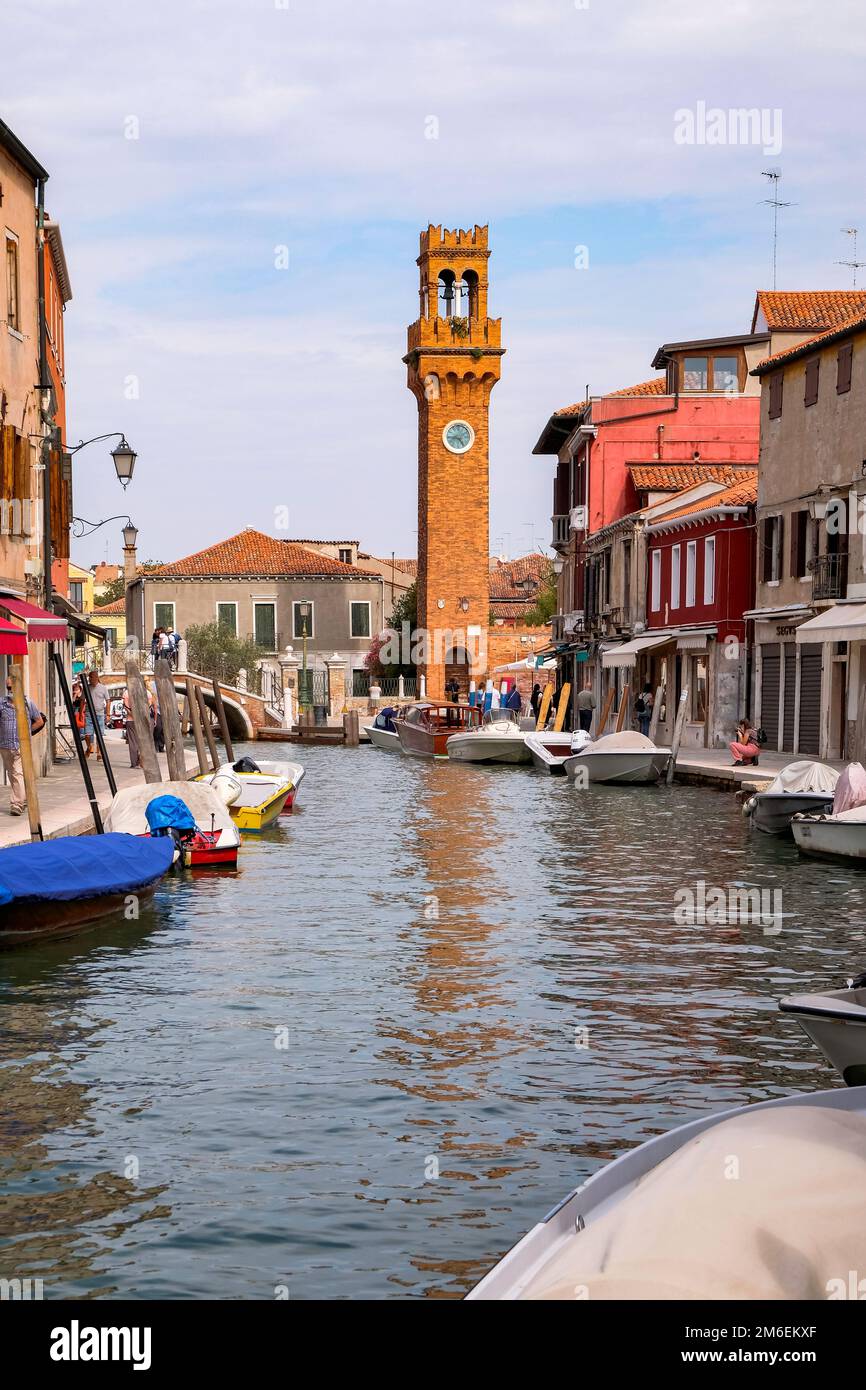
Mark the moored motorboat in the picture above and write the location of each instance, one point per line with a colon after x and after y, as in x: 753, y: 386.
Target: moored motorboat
x: 52, y: 888
x: 292, y: 773
x: 657, y: 1223
x: 841, y: 836
x: 835, y: 1022
x: 424, y: 731
x: 802, y: 787
x: 626, y: 757
x: 254, y: 800
x: 499, y: 739
x: 549, y: 750
x: 206, y: 838
x: 382, y: 733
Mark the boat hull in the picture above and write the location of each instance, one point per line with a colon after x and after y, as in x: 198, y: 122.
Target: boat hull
x: 28, y: 920
x: 385, y: 739
x: 420, y: 742
x: 549, y: 752
x: 488, y: 748
x: 521, y: 1267
x: 253, y: 819
x: 831, y: 839
x: 836, y: 1023
x: 771, y: 812
x: 630, y: 766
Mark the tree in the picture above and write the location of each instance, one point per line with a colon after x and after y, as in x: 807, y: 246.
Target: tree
x: 112, y: 591
x: 405, y: 611
x: 546, y: 600
x: 214, y: 650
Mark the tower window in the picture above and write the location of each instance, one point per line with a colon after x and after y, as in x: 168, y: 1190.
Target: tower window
x: 446, y: 294
x: 470, y: 280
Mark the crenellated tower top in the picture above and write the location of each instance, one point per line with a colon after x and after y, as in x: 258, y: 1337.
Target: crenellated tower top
x: 453, y: 267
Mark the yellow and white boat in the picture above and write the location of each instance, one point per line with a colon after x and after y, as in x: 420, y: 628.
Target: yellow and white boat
x: 254, y: 799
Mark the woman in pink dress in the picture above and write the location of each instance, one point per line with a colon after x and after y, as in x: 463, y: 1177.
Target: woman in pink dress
x: 745, y: 747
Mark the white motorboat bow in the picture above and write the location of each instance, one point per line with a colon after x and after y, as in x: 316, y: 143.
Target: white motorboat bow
x: 841, y: 836
x: 661, y: 1222
x: 836, y: 1023
x: 800, y: 788
x: 624, y: 757
x: 548, y: 750
x: 499, y: 740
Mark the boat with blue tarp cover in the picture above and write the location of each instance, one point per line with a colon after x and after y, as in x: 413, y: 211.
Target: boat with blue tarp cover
x: 53, y: 887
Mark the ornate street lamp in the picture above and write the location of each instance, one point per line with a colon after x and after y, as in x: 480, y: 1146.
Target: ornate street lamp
x: 124, y: 461
x: 130, y: 536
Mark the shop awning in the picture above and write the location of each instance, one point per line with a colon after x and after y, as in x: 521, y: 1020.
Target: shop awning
x: 41, y: 625
x: 13, y: 640
x: 844, y: 622
x: 694, y: 641
x: 628, y: 652
x: 528, y: 664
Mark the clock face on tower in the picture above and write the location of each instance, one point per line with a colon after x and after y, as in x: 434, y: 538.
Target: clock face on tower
x: 458, y: 437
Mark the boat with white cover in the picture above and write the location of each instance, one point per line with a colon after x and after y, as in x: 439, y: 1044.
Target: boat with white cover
x: 625, y: 757
x: 501, y: 739
x: 661, y: 1223
x: 841, y: 836
x: 382, y: 733
x: 835, y: 1022
x: 800, y: 788
x: 549, y: 750
x: 217, y: 840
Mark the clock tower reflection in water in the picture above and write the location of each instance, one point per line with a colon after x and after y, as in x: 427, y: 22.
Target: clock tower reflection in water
x: 453, y: 362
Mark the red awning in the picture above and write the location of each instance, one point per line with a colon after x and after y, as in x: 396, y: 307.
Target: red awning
x: 13, y: 640
x: 41, y: 625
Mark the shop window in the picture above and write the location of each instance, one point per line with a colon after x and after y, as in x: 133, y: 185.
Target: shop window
x: 698, y: 689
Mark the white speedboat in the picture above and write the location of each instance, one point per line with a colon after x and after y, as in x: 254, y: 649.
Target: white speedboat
x: 255, y: 797
x: 624, y: 757
x: 548, y: 750
x: 841, y: 836
x: 382, y: 733
x: 499, y: 740
x: 836, y: 1023
x: 800, y: 788
x: 293, y: 773
x: 661, y: 1222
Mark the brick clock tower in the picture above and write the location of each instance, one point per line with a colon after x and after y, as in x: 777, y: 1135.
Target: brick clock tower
x: 453, y: 362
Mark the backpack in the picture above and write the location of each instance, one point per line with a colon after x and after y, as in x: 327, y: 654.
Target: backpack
x: 761, y: 736
x: 640, y: 705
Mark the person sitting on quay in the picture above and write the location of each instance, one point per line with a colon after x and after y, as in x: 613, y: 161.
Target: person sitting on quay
x: 745, y: 746
x: 10, y: 748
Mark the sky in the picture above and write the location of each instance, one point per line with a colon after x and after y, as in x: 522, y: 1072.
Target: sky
x: 240, y: 186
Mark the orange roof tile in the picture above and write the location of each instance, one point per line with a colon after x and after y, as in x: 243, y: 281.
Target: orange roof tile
x: 808, y: 309
x: 111, y: 610
x: 500, y: 609
x: 508, y: 574
x: 743, y: 493
x: 856, y: 321
x: 252, y: 552
x: 673, y: 477
x: 656, y: 386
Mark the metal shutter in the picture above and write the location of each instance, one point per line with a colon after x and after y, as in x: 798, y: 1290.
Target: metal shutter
x: 769, y: 717
x: 810, y: 698
x: 790, y: 696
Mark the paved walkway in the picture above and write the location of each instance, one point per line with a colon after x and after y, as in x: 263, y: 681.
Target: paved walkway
x: 714, y: 765
x: 63, y: 802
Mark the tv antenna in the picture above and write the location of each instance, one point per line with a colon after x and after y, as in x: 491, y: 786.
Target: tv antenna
x: 853, y: 265
x: 775, y: 176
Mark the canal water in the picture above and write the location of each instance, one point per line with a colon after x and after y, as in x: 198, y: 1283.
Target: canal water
x: 429, y: 1003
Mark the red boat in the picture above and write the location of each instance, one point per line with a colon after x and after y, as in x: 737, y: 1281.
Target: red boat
x: 426, y: 729
x: 213, y: 842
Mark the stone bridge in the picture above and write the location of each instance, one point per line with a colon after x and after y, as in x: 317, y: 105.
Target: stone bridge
x: 246, y: 713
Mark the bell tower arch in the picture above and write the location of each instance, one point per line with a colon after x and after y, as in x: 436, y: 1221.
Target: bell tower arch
x: 453, y: 362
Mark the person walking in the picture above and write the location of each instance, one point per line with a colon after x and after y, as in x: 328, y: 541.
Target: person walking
x: 745, y: 746
x: 79, y: 711
x: 129, y: 727
x: 99, y: 696
x: 514, y: 700
x: 535, y: 700
x: 585, y: 707
x: 643, y: 708
x: 10, y: 748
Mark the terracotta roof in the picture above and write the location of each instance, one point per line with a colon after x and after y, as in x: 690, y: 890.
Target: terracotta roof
x: 111, y: 610
x: 743, y: 493
x: 501, y: 609
x: 252, y: 552
x: 406, y: 566
x: 294, y: 540
x: 657, y: 386
x: 507, y: 575
x: 830, y: 335
x: 808, y: 309
x: 673, y: 477
x: 576, y: 409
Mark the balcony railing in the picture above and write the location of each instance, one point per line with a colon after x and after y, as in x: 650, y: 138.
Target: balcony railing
x: 561, y: 531
x: 829, y: 576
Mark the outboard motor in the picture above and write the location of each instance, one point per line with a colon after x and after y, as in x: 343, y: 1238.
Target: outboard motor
x: 579, y: 740
x: 245, y: 765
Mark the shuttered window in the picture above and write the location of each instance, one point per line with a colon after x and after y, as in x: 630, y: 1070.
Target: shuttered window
x: 772, y: 531
x: 843, y: 368
x: 775, y: 395
x: 799, y: 543
x: 813, y: 369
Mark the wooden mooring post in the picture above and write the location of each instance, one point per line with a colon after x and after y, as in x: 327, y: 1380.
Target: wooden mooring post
x: 174, y: 752
x: 195, y: 723
x: 678, y: 733
x: 142, y: 723
x: 206, y: 726
x: 223, y: 722
x: 605, y: 714
x: 22, y: 720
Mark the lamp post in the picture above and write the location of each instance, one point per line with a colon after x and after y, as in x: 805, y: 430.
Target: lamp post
x: 304, y: 610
